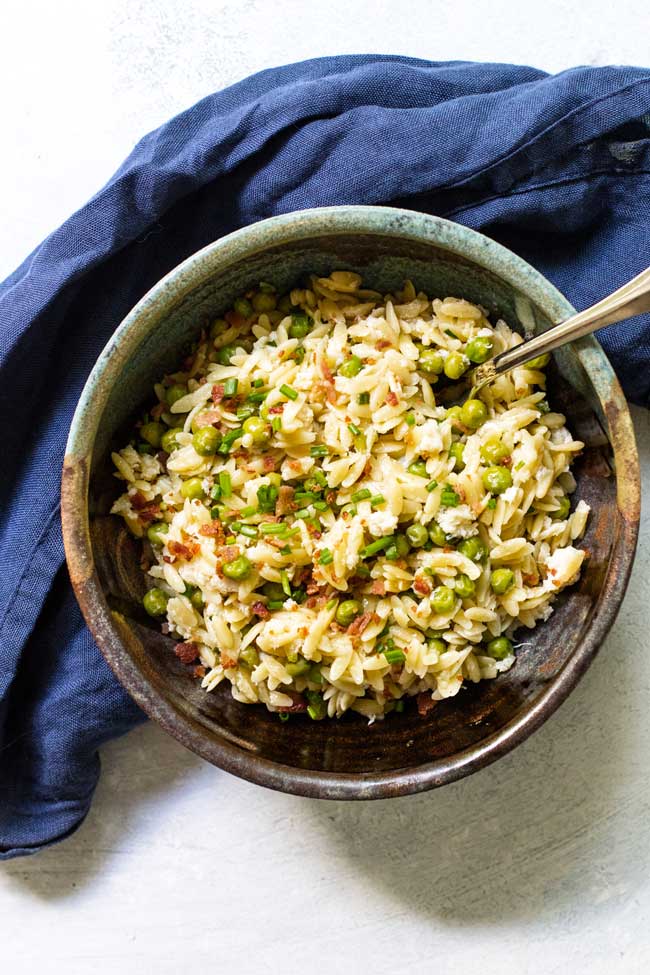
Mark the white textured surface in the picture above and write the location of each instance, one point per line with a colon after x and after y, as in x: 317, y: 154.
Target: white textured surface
x: 536, y: 866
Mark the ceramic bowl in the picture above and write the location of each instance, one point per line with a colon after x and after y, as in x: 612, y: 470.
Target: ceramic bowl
x: 347, y: 758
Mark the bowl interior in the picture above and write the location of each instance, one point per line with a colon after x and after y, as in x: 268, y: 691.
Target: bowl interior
x: 210, y: 723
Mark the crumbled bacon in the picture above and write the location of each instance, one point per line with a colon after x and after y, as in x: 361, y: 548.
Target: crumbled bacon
x: 378, y: 588
x: 383, y: 344
x: 391, y: 398
x: 138, y: 500
x: 186, y: 652
x: 158, y: 410
x: 278, y: 408
x: 226, y: 661
x: 183, y: 550
x: 217, y: 392
x: 285, y: 502
x: 260, y: 609
x: 209, y: 418
x: 358, y: 625
x: 315, y: 602
x: 529, y: 578
x: 200, y: 671
x: 228, y: 553
x: 506, y: 461
x: 268, y: 463
x: 422, y: 586
x: 234, y: 318
x: 213, y: 530
x: 299, y: 703
x: 425, y: 703
x: 327, y: 373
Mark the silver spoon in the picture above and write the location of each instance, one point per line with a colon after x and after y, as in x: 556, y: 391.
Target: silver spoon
x: 631, y: 299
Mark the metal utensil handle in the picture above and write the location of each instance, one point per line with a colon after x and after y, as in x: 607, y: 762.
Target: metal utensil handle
x: 630, y: 300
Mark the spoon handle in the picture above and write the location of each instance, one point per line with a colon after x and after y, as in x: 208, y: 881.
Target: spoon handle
x: 631, y: 299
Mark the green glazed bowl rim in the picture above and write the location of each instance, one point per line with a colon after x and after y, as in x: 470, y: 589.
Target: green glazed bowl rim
x: 112, y: 635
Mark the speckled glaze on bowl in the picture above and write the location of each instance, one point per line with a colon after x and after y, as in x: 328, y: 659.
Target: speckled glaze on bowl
x: 347, y: 759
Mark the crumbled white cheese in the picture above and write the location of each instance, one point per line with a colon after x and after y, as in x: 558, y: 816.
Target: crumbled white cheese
x: 505, y: 664
x: 563, y: 567
x: 381, y: 523
x: 510, y: 493
x: 290, y: 604
x: 294, y: 467
x: 458, y: 522
x: 430, y: 441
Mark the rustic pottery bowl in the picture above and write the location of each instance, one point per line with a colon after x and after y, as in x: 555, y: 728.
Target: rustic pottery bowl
x: 347, y: 759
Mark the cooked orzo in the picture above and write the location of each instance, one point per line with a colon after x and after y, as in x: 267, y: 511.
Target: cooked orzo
x: 323, y: 534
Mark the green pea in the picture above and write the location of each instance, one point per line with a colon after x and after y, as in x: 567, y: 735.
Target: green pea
x: 168, y: 440
x: 499, y: 648
x: 351, y: 367
x: 243, y: 307
x: 284, y: 304
x: 437, y: 535
x: 156, y: 532
x: 250, y: 657
x: 493, y: 451
x: 206, y: 441
x: 438, y: 645
x: 297, y: 668
x: 218, y: 326
x: 195, y: 596
x: 479, y: 349
x: 257, y: 429
x: 443, y: 599
x: 457, y: 451
x: 176, y: 392
x: 155, y: 602
x: 348, y: 610
x: 225, y: 354
x: 563, y: 510
x: 152, y: 433
x: 402, y: 545
x: 264, y: 302
x: 192, y: 488
x: 473, y: 549
x: 419, y: 468
x: 474, y: 413
x: 300, y: 326
x: 417, y: 535
x: 431, y: 362
x: 539, y: 362
x: 501, y: 580
x: 463, y: 586
x: 455, y: 414
x: 274, y: 591
x: 239, y: 568
x: 497, y: 479
x: 456, y: 365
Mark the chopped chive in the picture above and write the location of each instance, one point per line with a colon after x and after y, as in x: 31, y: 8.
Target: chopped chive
x: 274, y: 604
x: 230, y: 387
x: 376, y: 546
x: 299, y: 354
x: 302, y: 513
x: 391, y: 553
x: 257, y: 383
x: 225, y: 484
x: 273, y: 527
x: 492, y: 503
x: 449, y: 498
x: 286, y: 550
x: 215, y: 493
x: 229, y: 439
x: 431, y: 486
x: 284, y: 582
x: 234, y: 526
x: 354, y: 429
x: 249, y: 510
x: 267, y: 495
x: 288, y: 391
x: 283, y: 715
x: 256, y: 397
x: 363, y: 399
x: 361, y: 495
x: 290, y: 532
x: 276, y: 424
x: 214, y: 512
x: 453, y: 335
x: 321, y: 505
x: 399, y: 706
x: 318, y: 450
x: 305, y: 497
x: 519, y: 465
x: 330, y: 604
x: 325, y: 557
x: 230, y: 540
x: 410, y: 419
x: 319, y: 477
x: 244, y: 412
x: 394, y: 656
x: 249, y: 530
x: 377, y: 500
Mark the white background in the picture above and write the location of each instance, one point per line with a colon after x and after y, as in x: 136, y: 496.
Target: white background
x: 539, y: 864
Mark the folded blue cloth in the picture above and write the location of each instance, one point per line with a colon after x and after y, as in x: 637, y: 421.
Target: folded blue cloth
x: 557, y: 168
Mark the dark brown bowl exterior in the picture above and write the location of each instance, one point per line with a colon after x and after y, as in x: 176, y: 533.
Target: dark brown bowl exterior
x: 348, y: 758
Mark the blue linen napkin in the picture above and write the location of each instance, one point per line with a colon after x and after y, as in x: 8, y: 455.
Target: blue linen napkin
x: 555, y: 167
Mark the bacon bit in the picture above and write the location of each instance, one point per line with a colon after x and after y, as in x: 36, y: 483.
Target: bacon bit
x: 183, y: 550
x: 422, y: 586
x: 331, y: 395
x: 149, y: 513
x: 234, y: 318
x: 163, y: 457
x: 228, y: 552
x: 392, y: 398
x: 217, y: 392
x: 378, y: 588
x: 358, y: 625
x: 213, y: 530
x: 268, y: 463
x: 209, y: 418
x: 313, y: 588
x: 200, y: 671
x: 227, y: 662
x: 425, y: 703
x: 279, y: 408
x: 158, y: 410
x: 506, y: 461
x: 529, y: 578
x: 186, y: 652
x: 138, y: 500
x: 259, y: 609
x: 327, y: 373
x: 299, y: 703
x: 285, y: 502
x: 167, y: 559
x: 383, y: 344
